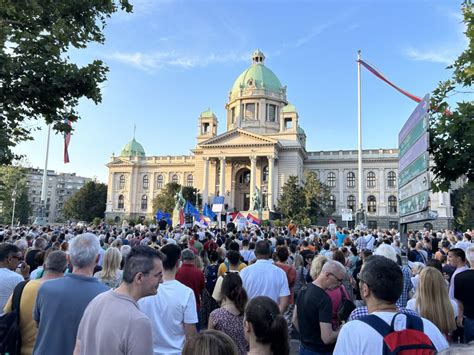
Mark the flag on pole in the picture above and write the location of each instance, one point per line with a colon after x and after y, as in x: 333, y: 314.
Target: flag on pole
x: 163, y: 215
x: 67, y: 139
x: 190, y: 209
x: 382, y: 77
x: 207, y: 211
x: 252, y: 219
x: 181, y: 216
x: 237, y: 217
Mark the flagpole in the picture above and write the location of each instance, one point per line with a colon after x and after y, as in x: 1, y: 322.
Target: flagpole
x: 359, y: 129
x: 42, y: 217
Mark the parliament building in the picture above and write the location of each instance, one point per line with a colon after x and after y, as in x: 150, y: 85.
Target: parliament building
x: 262, y: 146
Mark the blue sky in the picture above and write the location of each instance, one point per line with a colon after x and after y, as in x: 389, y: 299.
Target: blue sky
x: 171, y: 60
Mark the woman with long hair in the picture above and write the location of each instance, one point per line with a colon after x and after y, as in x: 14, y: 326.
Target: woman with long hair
x: 111, y: 275
x: 265, y: 328
x: 229, y: 318
x: 432, y: 301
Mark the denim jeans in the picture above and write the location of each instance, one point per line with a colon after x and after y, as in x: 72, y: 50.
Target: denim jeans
x: 468, y: 330
x: 304, y: 351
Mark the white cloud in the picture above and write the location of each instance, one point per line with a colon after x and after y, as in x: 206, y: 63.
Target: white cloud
x: 434, y: 56
x: 172, y: 59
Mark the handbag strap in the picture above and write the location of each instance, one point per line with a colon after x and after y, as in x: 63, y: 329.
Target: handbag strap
x: 17, y: 292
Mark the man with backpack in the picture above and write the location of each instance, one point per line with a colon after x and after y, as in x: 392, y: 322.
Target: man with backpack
x: 385, y: 330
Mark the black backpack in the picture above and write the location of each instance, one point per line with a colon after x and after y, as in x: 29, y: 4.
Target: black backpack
x: 10, y: 335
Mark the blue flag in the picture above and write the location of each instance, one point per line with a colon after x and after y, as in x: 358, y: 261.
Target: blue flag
x: 163, y: 215
x: 190, y: 209
x: 207, y: 211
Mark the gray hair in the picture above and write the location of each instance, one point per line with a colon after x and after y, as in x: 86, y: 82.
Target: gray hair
x: 386, y: 250
x: 56, y: 261
x: 83, y: 250
x: 22, y: 244
x: 334, y: 267
x: 40, y: 243
x: 470, y: 255
x: 125, y: 250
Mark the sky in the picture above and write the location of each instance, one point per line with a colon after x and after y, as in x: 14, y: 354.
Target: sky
x: 171, y: 60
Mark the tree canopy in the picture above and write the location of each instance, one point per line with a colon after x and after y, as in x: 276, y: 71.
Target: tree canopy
x: 87, y: 203
x: 165, y: 200
x: 37, y: 78
x: 452, y: 128
x: 13, y: 181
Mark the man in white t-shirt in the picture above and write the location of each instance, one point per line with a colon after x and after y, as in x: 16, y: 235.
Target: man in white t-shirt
x: 172, y: 310
x: 381, y: 283
x: 10, y: 257
x: 265, y: 279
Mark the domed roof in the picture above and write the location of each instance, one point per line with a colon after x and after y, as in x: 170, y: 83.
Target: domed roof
x: 289, y: 108
x: 257, y: 76
x: 208, y: 113
x: 133, y: 149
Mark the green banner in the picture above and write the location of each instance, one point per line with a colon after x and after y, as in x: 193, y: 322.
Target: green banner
x: 414, y: 204
x: 414, y: 169
x: 416, y: 132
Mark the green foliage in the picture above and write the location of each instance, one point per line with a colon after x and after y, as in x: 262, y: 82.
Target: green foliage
x: 292, y: 200
x: 165, y: 199
x: 304, y: 204
x: 277, y: 223
x: 38, y: 79
x: 12, y: 179
x: 316, y: 198
x: 463, y: 206
x: 452, y: 129
x: 189, y: 194
x: 87, y: 203
x: 97, y: 221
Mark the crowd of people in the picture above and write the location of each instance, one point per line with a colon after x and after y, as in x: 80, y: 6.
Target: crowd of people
x: 144, y: 290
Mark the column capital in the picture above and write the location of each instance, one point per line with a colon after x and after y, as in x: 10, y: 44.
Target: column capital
x: 270, y: 157
x: 253, y: 157
x: 205, y: 158
x: 222, y: 158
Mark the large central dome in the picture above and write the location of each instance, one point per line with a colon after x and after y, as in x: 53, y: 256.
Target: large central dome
x: 256, y: 76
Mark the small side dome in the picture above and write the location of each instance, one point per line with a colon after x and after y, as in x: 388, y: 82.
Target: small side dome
x: 132, y: 149
x: 289, y: 108
x: 208, y: 113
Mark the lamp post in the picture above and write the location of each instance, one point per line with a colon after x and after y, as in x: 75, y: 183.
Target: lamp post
x: 14, y: 203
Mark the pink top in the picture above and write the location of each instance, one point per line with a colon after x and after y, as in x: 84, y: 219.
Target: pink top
x: 336, y: 299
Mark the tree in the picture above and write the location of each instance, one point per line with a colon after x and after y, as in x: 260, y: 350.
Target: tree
x: 452, y: 129
x: 463, y: 206
x: 13, y: 178
x: 87, y: 203
x: 292, y: 199
x: 165, y: 199
x: 317, y: 202
x: 37, y: 78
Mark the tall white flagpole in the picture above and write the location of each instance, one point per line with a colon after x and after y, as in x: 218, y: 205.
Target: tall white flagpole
x: 359, y: 128
x: 45, y: 179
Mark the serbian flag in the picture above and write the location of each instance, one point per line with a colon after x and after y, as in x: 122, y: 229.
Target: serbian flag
x: 67, y: 139
x: 382, y: 77
x: 252, y: 219
x: 237, y: 217
x: 203, y: 222
x: 181, y: 217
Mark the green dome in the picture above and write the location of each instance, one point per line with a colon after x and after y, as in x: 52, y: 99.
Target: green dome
x: 208, y: 113
x: 133, y: 149
x: 258, y: 76
x: 289, y: 108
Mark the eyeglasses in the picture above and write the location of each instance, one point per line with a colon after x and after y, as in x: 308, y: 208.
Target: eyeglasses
x: 338, y: 279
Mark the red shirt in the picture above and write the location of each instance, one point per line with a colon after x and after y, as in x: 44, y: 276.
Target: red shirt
x: 191, y: 276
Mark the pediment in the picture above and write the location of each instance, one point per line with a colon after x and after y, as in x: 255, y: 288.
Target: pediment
x: 118, y: 161
x: 238, y: 137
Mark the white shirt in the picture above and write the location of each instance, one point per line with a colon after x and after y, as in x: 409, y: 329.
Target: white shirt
x: 463, y: 245
x: 8, y: 281
x: 357, y: 337
x: 370, y: 239
x: 168, y: 310
x: 265, y: 279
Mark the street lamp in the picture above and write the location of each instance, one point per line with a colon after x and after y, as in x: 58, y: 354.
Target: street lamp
x: 14, y: 203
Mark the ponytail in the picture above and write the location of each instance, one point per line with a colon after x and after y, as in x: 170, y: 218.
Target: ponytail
x: 279, y: 336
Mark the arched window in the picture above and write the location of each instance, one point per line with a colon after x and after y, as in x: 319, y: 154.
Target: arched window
x: 145, y: 182
x: 265, y: 173
x: 332, y: 203
x: 351, y: 179
x: 391, y: 179
x: 351, y: 202
x: 371, y: 179
x: 159, y: 181
x: 174, y: 179
x: 144, y: 204
x: 331, y: 179
x: 244, y: 177
x: 371, y: 204
x: 392, y: 204
x: 122, y: 181
x: 121, y: 201
x: 189, y: 180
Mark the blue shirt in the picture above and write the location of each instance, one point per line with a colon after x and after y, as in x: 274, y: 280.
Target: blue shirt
x: 58, y: 310
x: 340, y: 238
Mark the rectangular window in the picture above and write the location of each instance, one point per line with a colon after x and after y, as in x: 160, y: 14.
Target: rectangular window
x: 250, y: 112
x: 205, y: 128
x: 271, y: 113
x: 288, y: 123
x: 232, y: 115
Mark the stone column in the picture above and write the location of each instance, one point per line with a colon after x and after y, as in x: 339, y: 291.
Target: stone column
x: 205, y: 181
x: 222, y: 177
x: 341, y: 190
x: 271, y: 162
x: 382, y: 203
x: 253, y: 180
